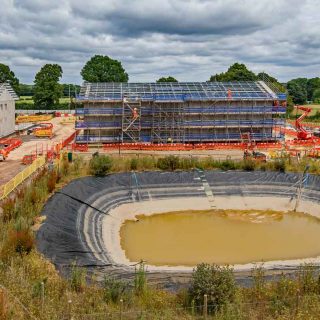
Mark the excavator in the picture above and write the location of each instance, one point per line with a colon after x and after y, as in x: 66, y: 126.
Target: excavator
x: 302, y: 133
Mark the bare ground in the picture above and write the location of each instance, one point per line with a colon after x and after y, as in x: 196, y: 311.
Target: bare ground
x: 12, y: 166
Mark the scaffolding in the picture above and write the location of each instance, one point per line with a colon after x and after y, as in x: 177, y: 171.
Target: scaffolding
x: 131, y: 116
x: 168, y: 123
x: 180, y: 112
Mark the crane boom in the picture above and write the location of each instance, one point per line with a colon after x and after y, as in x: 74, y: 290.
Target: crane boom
x: 302, y: 133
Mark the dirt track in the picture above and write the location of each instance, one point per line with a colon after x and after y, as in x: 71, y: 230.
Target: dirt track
x: 12, y: 166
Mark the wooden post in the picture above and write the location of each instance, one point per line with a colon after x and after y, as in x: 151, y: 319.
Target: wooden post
x: 42, y: 295
x: 205, y: 306
x: 69, y: 309
x: 121, y: 305
x: 3, y: 305
x: 192, y: 308
x: 297, y: 302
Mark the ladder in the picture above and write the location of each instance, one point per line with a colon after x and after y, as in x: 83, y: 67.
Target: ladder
x: 131, y: 119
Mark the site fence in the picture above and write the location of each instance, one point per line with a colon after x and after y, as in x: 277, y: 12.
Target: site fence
x: 289, y: 307
x: 39, y: 162
x: 19, y: 111
x: 21, y: 177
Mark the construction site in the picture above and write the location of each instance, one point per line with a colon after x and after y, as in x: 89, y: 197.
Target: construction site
x: 235, y: 120
x: 180, y: 113
x: 242, y: 177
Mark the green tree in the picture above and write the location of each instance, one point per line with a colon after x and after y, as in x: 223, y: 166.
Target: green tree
x: 273, y: 82
x: 72, y: 88
x: 26, y: 89
x: 297, y: 88
x: 7, y: 75
x: 47, y: 89
x: 167, y: 79
x: 290, y: 105
x: 215, y: 281
x: 104, y: 69
x: 316, y: 96
x: 236, y: 72
x: 100, y: 165
x: 313, y: 84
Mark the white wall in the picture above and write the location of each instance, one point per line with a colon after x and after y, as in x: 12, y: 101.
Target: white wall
x: 7, y: 112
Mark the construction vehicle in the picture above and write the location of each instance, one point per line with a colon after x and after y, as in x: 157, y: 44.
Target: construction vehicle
x: 44, y: 130
x: 302, y: 133
x: 255, y: 156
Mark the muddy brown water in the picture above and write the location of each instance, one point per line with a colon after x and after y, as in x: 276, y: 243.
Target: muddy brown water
x: 220, y: 236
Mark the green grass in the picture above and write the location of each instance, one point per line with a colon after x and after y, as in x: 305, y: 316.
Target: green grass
x: 314, y: 107
x: 29, y: 100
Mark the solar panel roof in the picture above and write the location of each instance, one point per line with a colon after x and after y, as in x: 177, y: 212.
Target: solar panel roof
x: 175, y: 91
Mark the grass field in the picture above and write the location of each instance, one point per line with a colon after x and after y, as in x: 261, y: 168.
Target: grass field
x: 29, y: 100
x: 314, y: 107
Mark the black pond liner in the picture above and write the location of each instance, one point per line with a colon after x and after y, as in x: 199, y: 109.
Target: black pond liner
x: 61, y: 239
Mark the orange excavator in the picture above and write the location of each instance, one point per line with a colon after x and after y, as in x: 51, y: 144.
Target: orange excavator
x: 302, y: 133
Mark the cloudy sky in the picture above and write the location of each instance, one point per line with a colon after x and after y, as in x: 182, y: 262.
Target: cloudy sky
x: 188, y: 39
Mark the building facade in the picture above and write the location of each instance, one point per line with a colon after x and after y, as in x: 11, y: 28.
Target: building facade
x: 7, y: 109
x: 179, y: 112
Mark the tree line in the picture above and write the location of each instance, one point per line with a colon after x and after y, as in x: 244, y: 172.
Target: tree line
x: 47, y: 90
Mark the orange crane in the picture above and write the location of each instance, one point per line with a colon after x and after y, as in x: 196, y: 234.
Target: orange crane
x: 302, y: 133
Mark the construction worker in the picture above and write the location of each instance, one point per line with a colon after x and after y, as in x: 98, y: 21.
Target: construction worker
x: 135, y: 113
x: 229, y: 94
x: 3, y: 154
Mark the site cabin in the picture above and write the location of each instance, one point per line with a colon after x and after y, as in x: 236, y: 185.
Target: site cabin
x: 7, y: 109
x: 180, y: 112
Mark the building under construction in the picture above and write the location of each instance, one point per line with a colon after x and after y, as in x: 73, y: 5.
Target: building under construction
x: 181, y: 112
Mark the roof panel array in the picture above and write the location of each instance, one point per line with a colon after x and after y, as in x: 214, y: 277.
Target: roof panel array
x: 174, y: 91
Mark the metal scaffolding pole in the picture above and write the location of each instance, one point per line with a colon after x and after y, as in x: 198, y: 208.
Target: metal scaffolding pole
x: 131, y: 117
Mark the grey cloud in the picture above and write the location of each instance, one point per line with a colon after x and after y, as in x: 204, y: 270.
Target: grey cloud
x: 182, y: 17
x: 189, y: 39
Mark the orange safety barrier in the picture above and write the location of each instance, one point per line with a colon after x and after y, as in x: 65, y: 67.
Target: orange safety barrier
x: 69, y: 139
x: 80, y: 147
x: 50, y: 153
x: 10, y: 144
x: 187, y: 147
